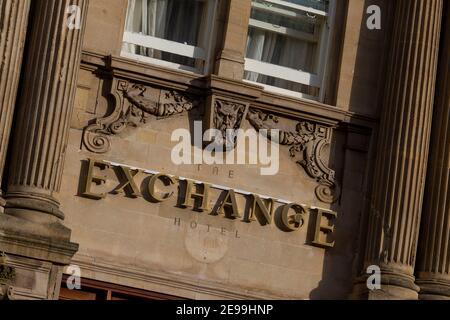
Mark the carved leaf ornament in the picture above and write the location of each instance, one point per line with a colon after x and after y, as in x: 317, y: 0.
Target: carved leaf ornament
x: 134, y: 108
x: 305, y: 145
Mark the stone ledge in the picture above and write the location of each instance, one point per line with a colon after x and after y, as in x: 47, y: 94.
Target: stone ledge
x: 14, y: 241
x: 178, y: 285
x: 120, y: 67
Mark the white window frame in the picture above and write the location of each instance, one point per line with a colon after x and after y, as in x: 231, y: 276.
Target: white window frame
x: 297, y: 76
x: 201, y: 53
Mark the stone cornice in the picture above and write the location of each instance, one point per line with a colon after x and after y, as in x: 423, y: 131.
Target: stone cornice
x: 196, y: 84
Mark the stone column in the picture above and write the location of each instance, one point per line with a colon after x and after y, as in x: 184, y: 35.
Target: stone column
x: 402, y: 154
x: 433, y: 258
x: 32, y: 226
x: 13, y: 24
x: 230, y: 62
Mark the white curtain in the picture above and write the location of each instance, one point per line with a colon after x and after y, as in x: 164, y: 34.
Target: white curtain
x: 280, y: 50
x: 175, y: 20
x: 148, y: 18
x: 260, y: 46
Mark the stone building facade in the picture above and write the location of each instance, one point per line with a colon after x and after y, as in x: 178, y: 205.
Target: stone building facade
x: 92, y: 92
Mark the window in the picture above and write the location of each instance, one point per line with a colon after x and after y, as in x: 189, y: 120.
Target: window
x: 172, y: 33
x: 287, y: 46
x: 101, y: 291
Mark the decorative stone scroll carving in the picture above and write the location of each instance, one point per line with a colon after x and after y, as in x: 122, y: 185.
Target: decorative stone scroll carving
x: 7, y: 277
x: 134, y: 105
x: 6, y: 292
x: 6, y: 274
x: 305, y: 145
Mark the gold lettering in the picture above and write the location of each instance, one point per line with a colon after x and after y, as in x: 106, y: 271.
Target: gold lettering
x: 190, y: 194
x: 128, y: 183
x: 320, y: 228
x: 92, y: 178
x: 296, y: 221
x: 151, y: 187
x: 197, y: 195
x: 229, y: 203
x: 262, y: 207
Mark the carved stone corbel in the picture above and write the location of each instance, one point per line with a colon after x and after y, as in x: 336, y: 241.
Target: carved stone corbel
x: 134, y: 105
x: 305, y: 145
x: 225, y: 115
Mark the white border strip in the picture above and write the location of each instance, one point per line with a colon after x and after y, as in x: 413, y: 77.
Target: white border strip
x: 282, y: 73
x: 164, y: 45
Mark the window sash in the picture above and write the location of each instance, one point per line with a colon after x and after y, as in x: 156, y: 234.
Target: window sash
x: 159, y: 62
x: 297, y: 7
x: 201, y: 53
x: 284, y: 31
x: 281, y: 11
x: 283, y: 91
x: 290, y: 74
x: 151, y: 42
x: 273, y: 70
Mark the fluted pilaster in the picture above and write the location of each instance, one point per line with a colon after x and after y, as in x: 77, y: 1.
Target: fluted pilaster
x: 44, y: 110
x: 13, y: 27
x: 433, y: 258
x: 402, y: 155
